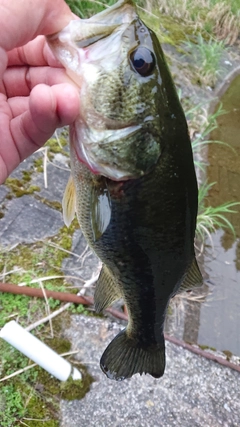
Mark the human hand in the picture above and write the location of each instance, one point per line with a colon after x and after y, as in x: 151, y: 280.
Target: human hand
x: 36, y: 96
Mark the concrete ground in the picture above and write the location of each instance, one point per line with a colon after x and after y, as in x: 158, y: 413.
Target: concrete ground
x: 193, y: 392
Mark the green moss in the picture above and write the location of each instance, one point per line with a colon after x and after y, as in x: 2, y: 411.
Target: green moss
x: 68, y: 390
x: 33, y: 188
x: 26, y: 176
x: 38, y: 164
x: 228, y: 354
x: 42, y: 412
x: 52, y: 204
x: 77, y: 389
x: 20, y: 188
x: 59, y: 344
x: 168, y: 30
x: 1, y: 215
x: 206, y: 347
x: 55, y: 146
x: 47, y: 383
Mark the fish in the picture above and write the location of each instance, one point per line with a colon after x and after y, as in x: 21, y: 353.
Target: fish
x: 133, y: 183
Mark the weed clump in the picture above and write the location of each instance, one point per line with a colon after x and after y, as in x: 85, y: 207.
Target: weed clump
x: 206, y: 56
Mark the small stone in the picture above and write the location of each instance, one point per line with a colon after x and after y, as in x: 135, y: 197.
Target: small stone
x: 226, y: 407
x: 149, y: 403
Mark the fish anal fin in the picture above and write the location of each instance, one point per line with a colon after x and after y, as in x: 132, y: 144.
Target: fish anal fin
x: 69, y: 202
x: 124, y: 357
x: 106, y: 291
x: 193, y: 277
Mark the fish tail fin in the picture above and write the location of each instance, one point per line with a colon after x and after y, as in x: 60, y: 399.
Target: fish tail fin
x: 124, y: 357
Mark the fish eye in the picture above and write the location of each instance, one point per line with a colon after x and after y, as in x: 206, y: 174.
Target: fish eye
x: 143, y: 61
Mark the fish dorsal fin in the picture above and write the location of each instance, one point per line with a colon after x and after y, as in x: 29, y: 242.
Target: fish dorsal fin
x: 69, y: 202
x: 101, y: 211
x: 107, y: 291
x: 193, y: 277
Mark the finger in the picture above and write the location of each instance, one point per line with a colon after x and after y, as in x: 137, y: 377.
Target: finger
x: 26, y: 19
x: 48, y: 108
x: 19, y: 81
x: 9, y: 157
x: 35, y: 53
x: 65, y: 106
x: 3, y: 62
x: 18, y: 105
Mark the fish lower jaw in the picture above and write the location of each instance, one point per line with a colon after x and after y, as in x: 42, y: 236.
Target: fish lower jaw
x: 91, y: 145
x: 98, y: 168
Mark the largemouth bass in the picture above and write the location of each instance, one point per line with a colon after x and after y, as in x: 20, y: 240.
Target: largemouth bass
x: 134, y: 186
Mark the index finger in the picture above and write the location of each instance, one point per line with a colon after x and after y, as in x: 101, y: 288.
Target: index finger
x: 19, y: 81
x: 35, y: 53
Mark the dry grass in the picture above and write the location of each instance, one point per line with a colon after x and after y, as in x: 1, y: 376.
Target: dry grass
x: 219, y: 19
x: 227, y: 25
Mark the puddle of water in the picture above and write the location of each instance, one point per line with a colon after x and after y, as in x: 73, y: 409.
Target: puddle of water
x: 220, y: 313
x: 216, y: 321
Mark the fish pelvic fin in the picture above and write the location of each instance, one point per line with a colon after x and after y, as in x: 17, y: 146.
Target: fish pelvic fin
x: 124, y: 357
x: 106, y: 291
x: 101, y: 211
x: 69, y: 202
x: 193, y: 277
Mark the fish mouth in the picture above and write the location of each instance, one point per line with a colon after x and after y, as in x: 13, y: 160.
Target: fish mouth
x: 99, y: 26
x: 100, y: 155
x: 122, y: 12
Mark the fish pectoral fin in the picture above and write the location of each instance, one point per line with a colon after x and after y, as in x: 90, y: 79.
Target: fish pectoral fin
x: 124, y: 357
x: 69, y: 202
x: 101, y: 211
x: 193, y: 278
x: 106, y: 291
